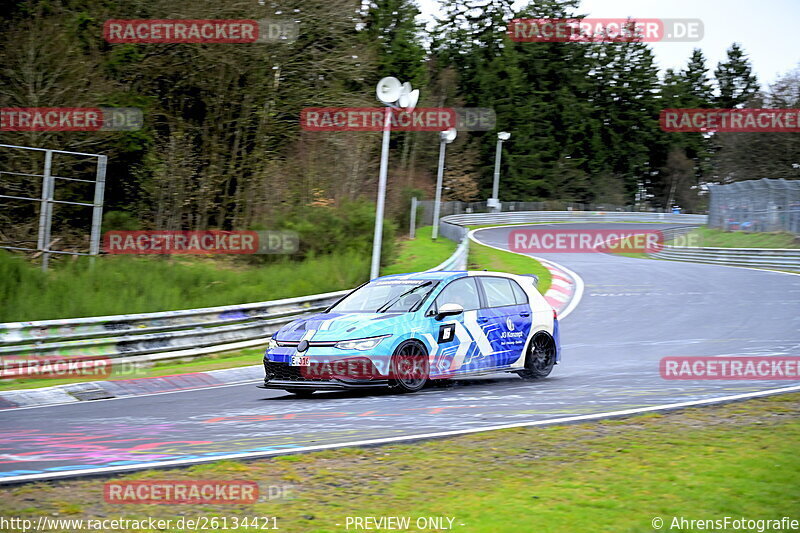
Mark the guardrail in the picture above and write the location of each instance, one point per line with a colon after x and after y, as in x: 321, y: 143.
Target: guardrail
x: 532, y: 217
x: 457, y: 261
x: 769, y: 258
x: 220, y: 328
x: 137, y: 334
x: 134, y: 335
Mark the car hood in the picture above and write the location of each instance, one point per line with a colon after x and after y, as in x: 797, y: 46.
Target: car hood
x: 344, y: 326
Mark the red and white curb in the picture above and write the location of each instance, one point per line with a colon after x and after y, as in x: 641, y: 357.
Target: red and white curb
x: 566, y: 289
x: 562, y: 288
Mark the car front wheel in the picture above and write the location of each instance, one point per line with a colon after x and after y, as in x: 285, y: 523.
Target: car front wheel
x: 408, y: 369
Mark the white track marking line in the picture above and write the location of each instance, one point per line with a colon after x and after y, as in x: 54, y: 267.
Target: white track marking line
x: 390, y: 440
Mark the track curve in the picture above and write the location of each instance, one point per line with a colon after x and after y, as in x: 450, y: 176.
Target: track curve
x: 633, y: 313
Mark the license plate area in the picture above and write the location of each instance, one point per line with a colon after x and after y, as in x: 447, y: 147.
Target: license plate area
x: 300, y: 360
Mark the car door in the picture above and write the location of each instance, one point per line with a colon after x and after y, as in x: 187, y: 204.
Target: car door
x: 505, y: 319
x: 455, y: 344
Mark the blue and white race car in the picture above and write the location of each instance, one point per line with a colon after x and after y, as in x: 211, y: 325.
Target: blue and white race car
x: 402, y: 331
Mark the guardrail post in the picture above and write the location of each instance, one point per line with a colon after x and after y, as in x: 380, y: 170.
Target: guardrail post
x: 412, y: 230
x: 46, y: 209
x: 97, y: 209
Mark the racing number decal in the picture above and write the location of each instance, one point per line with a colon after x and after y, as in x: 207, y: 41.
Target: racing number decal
x: 446, y: 332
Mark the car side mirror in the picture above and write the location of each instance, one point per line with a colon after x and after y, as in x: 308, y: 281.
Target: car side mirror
x: 449, y: 310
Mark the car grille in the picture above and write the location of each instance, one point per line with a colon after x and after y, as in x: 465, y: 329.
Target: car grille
x: 284, y: 372
x: 364, y: 371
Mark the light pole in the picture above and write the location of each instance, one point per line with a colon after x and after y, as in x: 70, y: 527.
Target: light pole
x: 394, y: 95
x: 445, y: 138
x: 494, y: 201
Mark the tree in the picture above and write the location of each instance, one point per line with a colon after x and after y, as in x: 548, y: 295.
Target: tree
x: 698, y: 90
x: 735, y: 78
x: 625, y: 100
x: 391, y: 27
x: 745, y: 156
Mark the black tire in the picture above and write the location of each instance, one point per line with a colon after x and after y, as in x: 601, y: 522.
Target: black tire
x: 409, y: 368
x: 541, y: 357
x: 302, y: 393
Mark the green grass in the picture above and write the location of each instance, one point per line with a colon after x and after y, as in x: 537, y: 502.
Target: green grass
x: 421, y: 253
x: 717, y: 238
x: 486, y: 258
x: 736, y: 460
x: 125, y: 284
x: 216, y: 361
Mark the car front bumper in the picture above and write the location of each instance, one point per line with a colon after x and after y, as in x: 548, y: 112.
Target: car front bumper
x: 283, y: 376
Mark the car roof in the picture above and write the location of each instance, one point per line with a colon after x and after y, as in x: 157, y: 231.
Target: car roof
x: 423, y: 276
x: 442, y: 275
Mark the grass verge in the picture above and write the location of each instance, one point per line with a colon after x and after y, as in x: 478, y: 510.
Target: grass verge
x: 216, y: 361
x: 421, y: 253
x: 126, y: 284
x: 736, y: 460
x: 487, y: 258
x: 717, y: 238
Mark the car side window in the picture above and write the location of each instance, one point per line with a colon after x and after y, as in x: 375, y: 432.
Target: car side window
x: 499, y: 292
x: 519, y: 295
x: 462, y: 291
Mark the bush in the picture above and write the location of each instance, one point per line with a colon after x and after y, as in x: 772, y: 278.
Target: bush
x: 346, y: 228
x: 120, y: 221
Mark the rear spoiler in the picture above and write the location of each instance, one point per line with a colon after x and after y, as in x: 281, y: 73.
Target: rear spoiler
x: 535, y: 279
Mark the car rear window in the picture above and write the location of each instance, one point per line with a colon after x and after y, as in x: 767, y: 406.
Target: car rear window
x: 499, y: 292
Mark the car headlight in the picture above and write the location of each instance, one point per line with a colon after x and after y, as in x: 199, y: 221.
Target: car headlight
x: 361, y: 344
x: 272, y: 344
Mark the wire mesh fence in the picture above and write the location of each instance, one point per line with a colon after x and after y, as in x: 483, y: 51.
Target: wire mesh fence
x: 756, y: 205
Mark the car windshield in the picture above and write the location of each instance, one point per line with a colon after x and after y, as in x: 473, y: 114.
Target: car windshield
x: 386, y: 296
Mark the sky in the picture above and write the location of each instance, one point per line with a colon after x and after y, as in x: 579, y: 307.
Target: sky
x: 768, y: 30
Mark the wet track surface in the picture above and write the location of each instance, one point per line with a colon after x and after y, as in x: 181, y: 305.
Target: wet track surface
x: 633, y: 313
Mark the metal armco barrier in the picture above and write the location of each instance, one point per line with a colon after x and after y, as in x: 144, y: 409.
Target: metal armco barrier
x: 770, y: 258
x: 532, y: 217
x: 778, y: 259
x: 124, y: 336
x: 457, y: 261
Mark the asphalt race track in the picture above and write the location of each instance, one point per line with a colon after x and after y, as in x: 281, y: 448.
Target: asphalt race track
x: 633, y: 313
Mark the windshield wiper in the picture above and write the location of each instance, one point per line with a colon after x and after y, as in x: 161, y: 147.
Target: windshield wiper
x: 394, y: 300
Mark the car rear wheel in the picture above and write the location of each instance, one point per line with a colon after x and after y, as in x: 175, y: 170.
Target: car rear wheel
x: 408, y: 369
x: 541, y: 357
x: 302, y: 393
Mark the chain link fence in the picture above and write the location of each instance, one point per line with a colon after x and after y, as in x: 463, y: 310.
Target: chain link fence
x: 756, y: 205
